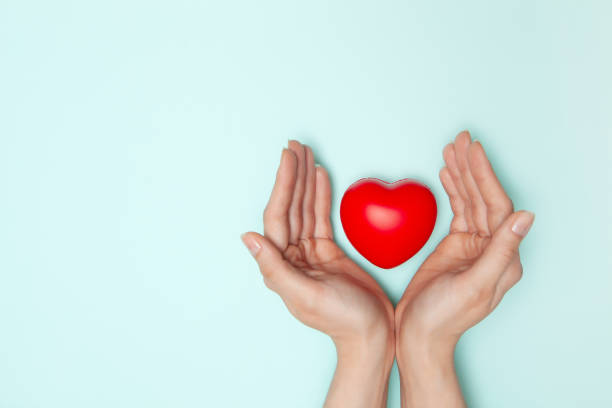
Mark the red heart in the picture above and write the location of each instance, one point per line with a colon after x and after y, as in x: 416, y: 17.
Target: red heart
x: 388, y: 223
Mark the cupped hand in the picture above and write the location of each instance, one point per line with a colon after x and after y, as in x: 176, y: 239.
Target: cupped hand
x: 472, y: 268
x: 320, y: 285
x: 461, y: 281
x: 300, y: 261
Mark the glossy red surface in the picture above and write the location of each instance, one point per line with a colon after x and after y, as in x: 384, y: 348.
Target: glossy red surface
x: 388, y: 223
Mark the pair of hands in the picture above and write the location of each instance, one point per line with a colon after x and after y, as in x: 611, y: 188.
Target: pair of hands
x: 457, y: 286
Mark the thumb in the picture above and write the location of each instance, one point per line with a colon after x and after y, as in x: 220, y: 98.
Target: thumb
x: 279, y: 275
x: 503, y: 247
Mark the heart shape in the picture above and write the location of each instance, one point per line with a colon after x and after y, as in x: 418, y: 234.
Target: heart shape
x: 388, y: 223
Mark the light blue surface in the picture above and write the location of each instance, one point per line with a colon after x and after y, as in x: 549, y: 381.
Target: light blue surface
x: 139, y: 139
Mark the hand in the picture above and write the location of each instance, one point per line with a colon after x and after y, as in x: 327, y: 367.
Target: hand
x: 320, y: 285
x: 462, y: 281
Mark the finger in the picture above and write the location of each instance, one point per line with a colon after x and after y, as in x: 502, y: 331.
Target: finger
x: 295, y: 211
x: 478, y: 206
x: 323, y: 228
x: 308, y: 213
x: 276, y: 213
x: 499, y: 205
x: 451, y: 162
x: 279, y: 275
x: 458, y: 224
x: 501, y: 251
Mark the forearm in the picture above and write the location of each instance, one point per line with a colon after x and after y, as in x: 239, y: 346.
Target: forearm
x: 428, y: 378
x: 361, y: 378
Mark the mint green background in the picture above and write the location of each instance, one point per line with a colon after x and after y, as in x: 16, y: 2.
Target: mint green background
x: 138, y: 139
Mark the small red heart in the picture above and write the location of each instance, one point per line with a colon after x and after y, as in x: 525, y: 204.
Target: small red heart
x: 388, y: 223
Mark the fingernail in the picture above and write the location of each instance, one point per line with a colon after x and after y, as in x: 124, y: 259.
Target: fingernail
x: 523, y: 223
x: 252, y: 245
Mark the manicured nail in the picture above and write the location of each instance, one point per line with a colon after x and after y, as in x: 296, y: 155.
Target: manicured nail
x: 252, y: 245
x: 523, y: 223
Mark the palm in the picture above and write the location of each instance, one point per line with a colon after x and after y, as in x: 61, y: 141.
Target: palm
x: 349, y: 300
x: 331, y: 293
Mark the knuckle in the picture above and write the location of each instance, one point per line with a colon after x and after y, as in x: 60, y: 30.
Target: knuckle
x: 477, y: 292
x: 457, y: 204
x: 272, y: 212
x: 504, y: 206
x: 517, y: 274
x: 475, y: 245
x: 267, y: 214
x: 507, y: 252
x: 268, y: 283
x: 268, y: 275
x: 481, y: 242
x: 468, y: 244
x: 482, y: 295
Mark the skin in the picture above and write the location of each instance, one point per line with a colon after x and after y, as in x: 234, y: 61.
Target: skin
x: 457, y: 286
x: 320, y: 285
x: 463, y: 279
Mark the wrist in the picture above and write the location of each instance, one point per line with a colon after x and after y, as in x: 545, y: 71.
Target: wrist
x: 362, y: 372
x: 367, y: 354
x: 379, y: 341
x: 427, y: 372
x: 425, y: 350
